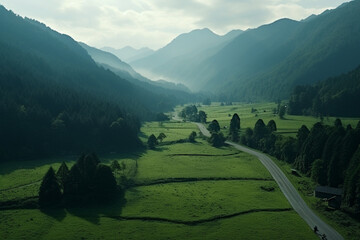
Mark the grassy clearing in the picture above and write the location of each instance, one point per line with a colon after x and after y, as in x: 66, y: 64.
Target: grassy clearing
x: 201, y: 200
x: 180, y: 201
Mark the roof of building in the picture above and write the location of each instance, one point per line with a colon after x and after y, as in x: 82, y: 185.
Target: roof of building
x: 329, y: 190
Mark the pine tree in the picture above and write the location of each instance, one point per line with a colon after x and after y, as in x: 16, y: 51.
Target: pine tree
x: 49, y: 192
x: 152, y: 141
x: 105, y: 183
x: 62, y: 174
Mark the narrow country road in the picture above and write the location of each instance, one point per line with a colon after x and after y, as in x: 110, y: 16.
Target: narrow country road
x: 288, y: 189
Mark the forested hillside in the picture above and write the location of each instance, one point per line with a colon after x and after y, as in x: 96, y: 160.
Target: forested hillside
x: 338, y: 96
x: 56, y: 100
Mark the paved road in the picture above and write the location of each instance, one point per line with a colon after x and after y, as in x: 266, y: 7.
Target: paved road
x: 288, y: 189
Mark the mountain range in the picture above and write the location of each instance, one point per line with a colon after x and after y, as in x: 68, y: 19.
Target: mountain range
x: 129, y: 54
x: 264, y: 63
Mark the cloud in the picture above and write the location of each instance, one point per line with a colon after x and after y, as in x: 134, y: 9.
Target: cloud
x: 154, y: 23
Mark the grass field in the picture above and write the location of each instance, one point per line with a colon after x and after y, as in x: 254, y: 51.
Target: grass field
x: 287, y: 126
x: 229, y: 195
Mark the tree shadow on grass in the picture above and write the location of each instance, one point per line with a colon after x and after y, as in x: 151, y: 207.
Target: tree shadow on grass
x: 94, y: 211
x: 57, y: 213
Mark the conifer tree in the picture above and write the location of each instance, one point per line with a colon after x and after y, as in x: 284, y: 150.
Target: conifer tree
x: 49, y: 192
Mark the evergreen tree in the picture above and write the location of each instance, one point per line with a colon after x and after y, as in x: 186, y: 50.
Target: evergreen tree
x: 271, y: 126
x: 105, y: 183
x: 338, y: 123
x: 301, y: 136
x: 49, y: 192
x: 234, y: 123
x: 217, y: 139
x: 152, y: 141
x: 318, y: 172
x: 260, y: 130
x: 62, y: 174
x: 161, y: 137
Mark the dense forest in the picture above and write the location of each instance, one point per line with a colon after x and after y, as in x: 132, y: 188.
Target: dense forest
x: 329, y: 154
x: 54, y: 99
x: 338, y: 96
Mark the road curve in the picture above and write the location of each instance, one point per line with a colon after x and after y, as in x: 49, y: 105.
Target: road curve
x: 288, y: 190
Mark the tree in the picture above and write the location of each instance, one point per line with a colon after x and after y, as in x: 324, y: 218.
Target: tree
x: 338, y: 123
x: 301, y: 136
x: 115, y: 166
x: 105, y: 183
x: 217, y: 139
x: 271, y: 126
x: 49, y: 192
x: 62, y: 174
x: 260, y: 130
x: 192, y: 136
x: 235, y: 123
x: 202, y: 116
x: 161, y: 137
x: 214, y: 126
x: 152, y: 141
x: 282, y: 111
x: 318, y: 172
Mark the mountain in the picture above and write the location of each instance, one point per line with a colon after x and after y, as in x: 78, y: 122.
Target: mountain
x: 177, y: 93
x: 184, y: 51
x: 265, y: 63
x: 129, y: 54
x: 54, y: 99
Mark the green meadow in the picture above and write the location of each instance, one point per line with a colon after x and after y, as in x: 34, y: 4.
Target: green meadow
x: 287, y: 126
x: 179, y: 191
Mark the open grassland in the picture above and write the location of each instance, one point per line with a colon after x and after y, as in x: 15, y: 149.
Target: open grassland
x: 287, y: 126
x: 179, y: 191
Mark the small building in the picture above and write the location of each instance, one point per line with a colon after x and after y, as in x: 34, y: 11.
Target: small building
x: 329, y: 194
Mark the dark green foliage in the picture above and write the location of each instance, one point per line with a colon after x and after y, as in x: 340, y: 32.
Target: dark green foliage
x: 152, y: 141
x: 234, y: 128
x: 260, y: 130
x: 105, y: 184
x: 301, y: 136
x: 312, y: 148
x: 62, y: 174
x: 214, y: 126
x: 271, y: 126
x: 318, y: 172
x: 115, y: 166
x: 334, y: 97
x: 192, y: 136
x: 285, y: 149
x: 247, y: 138
x: 282, y: 111
x: 217, y: 139
x: 161, y: 137
x: 202, y: 116
x: 338, y: 123
x: 49, y: 192
x: 352, y: 184
x: 235, y: 123
x: 161, y: 117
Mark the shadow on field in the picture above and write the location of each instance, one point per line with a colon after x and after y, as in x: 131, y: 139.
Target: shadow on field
x: 93, y: 212
x: 57, y: 213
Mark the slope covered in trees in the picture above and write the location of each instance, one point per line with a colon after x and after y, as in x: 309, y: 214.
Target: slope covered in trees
x: 338, y: 96
x: 54, y: 99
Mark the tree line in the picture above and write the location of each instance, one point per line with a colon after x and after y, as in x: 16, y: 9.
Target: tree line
x: 87, y: 181
x: 330, y: 155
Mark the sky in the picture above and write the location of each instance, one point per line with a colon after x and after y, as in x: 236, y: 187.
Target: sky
x: 154, y: 23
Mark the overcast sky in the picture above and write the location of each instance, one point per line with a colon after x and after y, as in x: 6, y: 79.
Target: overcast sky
x: 154, y: 23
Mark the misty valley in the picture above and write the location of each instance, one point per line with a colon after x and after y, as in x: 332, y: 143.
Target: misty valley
x: 253, y: 134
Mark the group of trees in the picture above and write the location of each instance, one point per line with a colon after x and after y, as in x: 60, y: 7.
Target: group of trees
x: 217, y: 138
x: 329, y: 154
x: 191, y: 113
x: 87, y: 181
x: 333, y: 97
